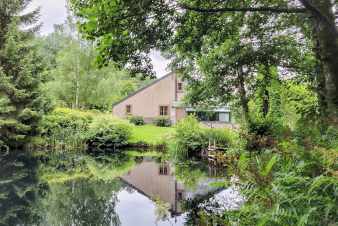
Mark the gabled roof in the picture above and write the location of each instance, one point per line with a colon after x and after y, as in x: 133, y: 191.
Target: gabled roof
x: 143, y: 88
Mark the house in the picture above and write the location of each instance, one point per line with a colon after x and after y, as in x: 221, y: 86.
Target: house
x: 163, y: 97
x: 157, y: 180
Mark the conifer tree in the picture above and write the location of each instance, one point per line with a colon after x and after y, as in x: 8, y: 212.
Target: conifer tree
x: 20, y: 75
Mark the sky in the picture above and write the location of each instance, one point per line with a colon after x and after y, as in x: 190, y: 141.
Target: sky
x: 55, y: 12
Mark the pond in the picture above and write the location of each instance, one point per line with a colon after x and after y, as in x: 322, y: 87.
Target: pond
x: 128, y: 189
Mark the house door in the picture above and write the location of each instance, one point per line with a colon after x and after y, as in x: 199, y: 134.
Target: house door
x: 180, y: 114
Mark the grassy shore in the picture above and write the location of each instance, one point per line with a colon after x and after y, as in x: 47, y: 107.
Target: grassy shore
x: 150, y: 135
x: 70, y: 129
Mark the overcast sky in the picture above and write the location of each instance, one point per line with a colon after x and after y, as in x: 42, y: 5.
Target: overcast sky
x: 55, y: 12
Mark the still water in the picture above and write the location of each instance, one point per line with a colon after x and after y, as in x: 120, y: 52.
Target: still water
x: 128, y: 189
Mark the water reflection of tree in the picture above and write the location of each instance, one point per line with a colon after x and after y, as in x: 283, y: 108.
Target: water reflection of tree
x: 162, y: 208
x: 197, y: 214
x: 190, y: 173
x: 82, y: 202
x: 89, y: 199
x: 19, y: 188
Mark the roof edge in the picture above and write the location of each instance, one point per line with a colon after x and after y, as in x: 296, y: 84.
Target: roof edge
x: 143, y: 88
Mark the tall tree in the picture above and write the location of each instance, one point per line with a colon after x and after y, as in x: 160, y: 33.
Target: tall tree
x: 74, y: 80
x: 126, y: 31
x: 21, y: 102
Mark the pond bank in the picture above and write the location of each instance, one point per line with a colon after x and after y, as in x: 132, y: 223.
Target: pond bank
x: 69, y: 184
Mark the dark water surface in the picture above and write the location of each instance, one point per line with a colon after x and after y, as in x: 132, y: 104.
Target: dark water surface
x: 128, y: 189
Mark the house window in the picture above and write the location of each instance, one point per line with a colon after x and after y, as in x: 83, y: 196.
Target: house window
x: 163, y: 170
x: 224, y: 117
x: 128, y: 109
x: 179, y: 195
x: 208, y: 116
x: 164, y: 110
x: 179, y: 87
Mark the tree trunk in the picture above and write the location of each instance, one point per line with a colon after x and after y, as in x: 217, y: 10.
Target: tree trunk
x: 243, y: 97
x: 266, y: 104
x: 326, y: 35
x: 77, y: 94
x: 266, y: 83
x: 320, y: 80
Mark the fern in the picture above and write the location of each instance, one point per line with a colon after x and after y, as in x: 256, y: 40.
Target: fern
x: 268, y: 167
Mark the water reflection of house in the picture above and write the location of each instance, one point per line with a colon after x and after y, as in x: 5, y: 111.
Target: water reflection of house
x: 157, y: 180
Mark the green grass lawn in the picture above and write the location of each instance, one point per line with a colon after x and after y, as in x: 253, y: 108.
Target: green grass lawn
x: 150, y: 134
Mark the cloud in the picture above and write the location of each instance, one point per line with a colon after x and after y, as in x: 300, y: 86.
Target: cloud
x: 52, y: 12
x: 55, y: 12
x: 160, y: 63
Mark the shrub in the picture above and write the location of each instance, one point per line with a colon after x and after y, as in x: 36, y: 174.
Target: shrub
x: 105, y: 133
x: 65, y: 127
x: 190, y: 137
x: 136, y: 120
x: 263, y: 132
x: 312, y: 135
x: 162, y: 121
x: 64, y: 117
x: 330, y: 137
x: 223, y: 137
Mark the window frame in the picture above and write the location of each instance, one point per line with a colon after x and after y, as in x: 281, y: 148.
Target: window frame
x: 161, y: 110
x: 128, y: 108
x: 179, y: 87
x: 163, y: 170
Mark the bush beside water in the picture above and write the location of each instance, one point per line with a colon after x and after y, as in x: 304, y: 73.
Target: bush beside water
x: 106, y: 133
x: 65, y: 128
x: 73, y: 129
x: 191, y: 137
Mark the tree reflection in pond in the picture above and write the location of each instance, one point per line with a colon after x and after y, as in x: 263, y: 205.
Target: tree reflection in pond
x: 82, y: 202
x: 190, y: 174
x: 19, y: 188
x: 73, y: 189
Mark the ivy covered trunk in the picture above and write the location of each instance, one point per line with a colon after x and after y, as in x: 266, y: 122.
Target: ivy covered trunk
x: 326, y: 37
x: 243, y: 96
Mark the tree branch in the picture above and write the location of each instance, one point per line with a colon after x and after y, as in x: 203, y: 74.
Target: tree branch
x: 316, y: 12
x: 244, y: 9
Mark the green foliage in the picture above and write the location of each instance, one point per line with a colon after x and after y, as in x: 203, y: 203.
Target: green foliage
x: 330, y: 138
x: 162, y: 210
x: 64, y: 166
x: 105, y: 133
x: 19, y: 188
x: 69, y: 129
x: 189, y: 173
x: 311, y: 135
x: 136, y: 120
x: 223, y: 137
x: 71, y: 201
x: 21, y: 100
x: 74, y: 80
x: 65, y: 128
x: 76, y: 180
x: 191, y: 137
x: 292, y: 186
x: 74, y: 129
x: 134, y: 19
x: 162, y: 121
x: 300, y: 99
